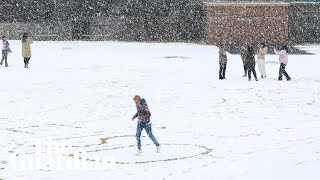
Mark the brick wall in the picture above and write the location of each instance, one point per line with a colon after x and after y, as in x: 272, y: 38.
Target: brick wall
x: 238, y: 23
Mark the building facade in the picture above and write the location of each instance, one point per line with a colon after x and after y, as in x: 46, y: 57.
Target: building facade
x: 249, y: 22
x: 199, y: 21
x: 261, y: 21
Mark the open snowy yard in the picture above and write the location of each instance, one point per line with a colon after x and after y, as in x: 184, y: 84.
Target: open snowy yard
x: 80, y: 93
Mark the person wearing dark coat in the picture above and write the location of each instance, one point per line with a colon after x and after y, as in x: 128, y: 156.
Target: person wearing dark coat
x: 243, y: 54
x: 222, y: 62
x: 251, y: 62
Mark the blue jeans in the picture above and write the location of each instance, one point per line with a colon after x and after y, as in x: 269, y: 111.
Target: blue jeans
x: 148, y: 127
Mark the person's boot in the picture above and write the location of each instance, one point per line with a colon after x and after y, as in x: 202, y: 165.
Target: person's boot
x: 158, y: 148
x: 139, y: 152
x: 257, y: 79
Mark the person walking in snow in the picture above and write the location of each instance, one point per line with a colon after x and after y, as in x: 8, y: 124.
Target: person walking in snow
x: 243, y: 54
x: 26, y: 49
x: 5, y: 50
x: 251, y: 62
x: 222, y: 62
x: 261, y: 54
x: 143, y: 114
x: 283, y: 59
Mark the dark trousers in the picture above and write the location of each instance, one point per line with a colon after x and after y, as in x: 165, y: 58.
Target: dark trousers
x: 253, y: 70
x: 26, y: 62
x: 4, y: 57
x: 148, y: 127
x: 282, y: 70
x: 222, y: 71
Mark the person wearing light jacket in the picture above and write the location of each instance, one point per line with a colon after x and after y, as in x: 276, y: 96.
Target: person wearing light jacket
x: 143, y: 114
x: 283, y: 59
x: 222, y: 62
x: 262, y: 51
x: 5, y: 50
x: 26, y: 49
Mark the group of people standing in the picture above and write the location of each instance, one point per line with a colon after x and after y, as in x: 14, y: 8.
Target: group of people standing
x: 26, y: 50
x: 249, y: 63
x: 248, y: 53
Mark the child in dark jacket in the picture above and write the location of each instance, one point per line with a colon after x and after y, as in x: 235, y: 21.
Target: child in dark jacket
x: 143, y: 114
x: 251, y: 62
x: 5, y: 50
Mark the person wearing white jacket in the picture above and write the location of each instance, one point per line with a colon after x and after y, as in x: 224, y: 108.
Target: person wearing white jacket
x: 283, y: 59
x: 261, y: 54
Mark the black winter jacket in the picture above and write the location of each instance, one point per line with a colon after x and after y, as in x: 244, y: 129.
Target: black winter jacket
x: 143, y: 112
x: 251, y: 62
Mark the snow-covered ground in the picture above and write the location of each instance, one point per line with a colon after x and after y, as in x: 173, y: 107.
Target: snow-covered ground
x: 81, y: 93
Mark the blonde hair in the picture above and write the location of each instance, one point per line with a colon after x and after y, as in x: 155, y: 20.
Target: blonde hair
x: 136, y: 97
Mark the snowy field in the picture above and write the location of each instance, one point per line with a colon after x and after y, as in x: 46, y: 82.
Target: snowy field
x: 80, y: 93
